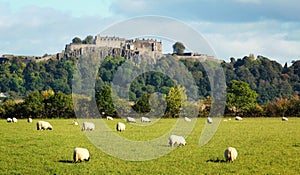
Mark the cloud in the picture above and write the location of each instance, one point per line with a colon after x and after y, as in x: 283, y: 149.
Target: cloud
x: 233, y: 27
x: 267, y: 38
x: 212, y: 10
x: 37, y: 30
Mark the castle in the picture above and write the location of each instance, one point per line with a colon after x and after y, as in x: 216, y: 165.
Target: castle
x: 115, y: 46
x: 136, y: 50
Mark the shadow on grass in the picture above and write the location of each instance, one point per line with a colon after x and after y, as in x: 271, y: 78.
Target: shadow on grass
x: 296, y: 145
x: 66, y: 161
x: 217, y: 160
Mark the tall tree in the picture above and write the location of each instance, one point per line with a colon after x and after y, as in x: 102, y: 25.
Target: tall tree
x: 88, y: 40
x: 104, y: 101
x: 34, y: 104
x: 240, y: 97
x: 142, y: 105
x: 175, y: 99
x: 178, y: 48
x: 76, y: 40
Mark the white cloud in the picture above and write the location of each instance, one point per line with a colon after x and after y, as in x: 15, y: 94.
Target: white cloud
x: 38, y: 30
x: 272, y: 39
x: 234, y: 28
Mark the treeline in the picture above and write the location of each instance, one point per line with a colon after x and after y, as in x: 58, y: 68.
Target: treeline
x: 48, y: 104
x: 18, y: 78
x: 268, y: 78
x: 273, y: 83
x: 44, y: 104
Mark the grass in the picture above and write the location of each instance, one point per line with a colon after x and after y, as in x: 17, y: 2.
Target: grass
x: 264, y: 145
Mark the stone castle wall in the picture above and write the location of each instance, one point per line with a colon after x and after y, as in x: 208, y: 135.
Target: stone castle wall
x: 136, y: 50
x: 115, y: 46
x: 114, y: 42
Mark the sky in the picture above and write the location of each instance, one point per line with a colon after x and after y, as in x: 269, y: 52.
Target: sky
x: 233, y: 28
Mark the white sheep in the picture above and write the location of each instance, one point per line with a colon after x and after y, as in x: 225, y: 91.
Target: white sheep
x: 130, y: 119
x: 230, y: 154
x: 29, y: 120
x: 14, y: 120
x: 75, y: 123
x: 145, y: 119
x: 284, y: 119
x: 9, y: 120
x: 179, y: 140
x: 81, y: 154
x: 209, y: 120
x: 42, y: 125
x: 121, y: 126
x: 187, y: 119
x: 109, y: 118
x: 88, y: 126
x: 238, y: 118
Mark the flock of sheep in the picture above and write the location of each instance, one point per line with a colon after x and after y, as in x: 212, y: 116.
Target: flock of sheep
x: 82, y: 154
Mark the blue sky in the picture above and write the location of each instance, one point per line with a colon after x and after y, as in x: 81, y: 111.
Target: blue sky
x: 234, y: 28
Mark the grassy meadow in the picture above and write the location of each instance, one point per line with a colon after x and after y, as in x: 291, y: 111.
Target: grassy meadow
x: 264, y: 145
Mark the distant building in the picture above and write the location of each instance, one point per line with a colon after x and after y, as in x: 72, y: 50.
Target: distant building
x: 134, y: 50
x: 194, y: 56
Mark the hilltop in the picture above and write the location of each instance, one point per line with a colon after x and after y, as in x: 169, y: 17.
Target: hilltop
x: 21, y: 74
x: 137, y: 50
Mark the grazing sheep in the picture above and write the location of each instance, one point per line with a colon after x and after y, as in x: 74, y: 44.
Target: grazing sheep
x: 74, y: 123
x: 109, y: 118
x: 29, y: 120
x: 238, y: 118
x: 121, y: 126
x: 225, y: 120
x: 145, y: 119
x: 42, y: 125
x: 230, y: 154
x: 179, y: 140
x: 9, y: 120
x: 81, y: 154
x: 14, y: 120
x: 187, y: 119
x: 88, y: 126
x: 130, y: 119
x: 229, y: 119
x: 284, y: 119
x: 209, y: 120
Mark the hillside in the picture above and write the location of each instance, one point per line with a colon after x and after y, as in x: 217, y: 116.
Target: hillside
x: 268, y: 78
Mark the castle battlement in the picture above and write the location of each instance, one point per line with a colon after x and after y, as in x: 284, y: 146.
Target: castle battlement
x: 114, y: 42
x: 137, y: 50
x: 116, y: 46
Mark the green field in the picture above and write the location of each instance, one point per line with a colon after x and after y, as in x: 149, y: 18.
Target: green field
x: 264, y: 145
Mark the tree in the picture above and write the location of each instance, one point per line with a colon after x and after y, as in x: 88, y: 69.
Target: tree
x: 282, y: 105
x: 33, y: 104
x: 76, y: 40
x: 178, y: 48
x: 240, y: 97
x: 142, y: 105
x: 88, y: 40
x: 175, y: 98
x: 104, y: 101
x: 47, y: 99
x: 62, y: 106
